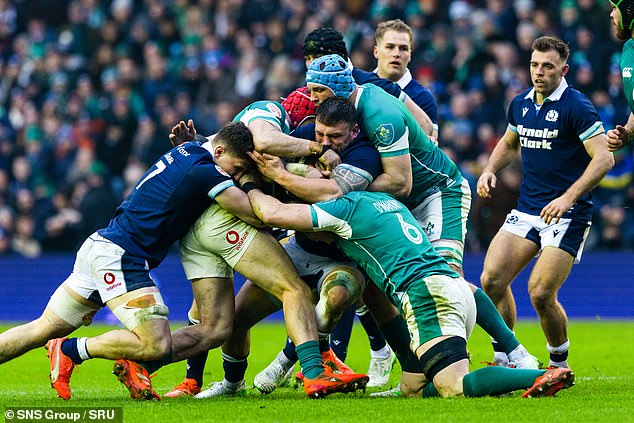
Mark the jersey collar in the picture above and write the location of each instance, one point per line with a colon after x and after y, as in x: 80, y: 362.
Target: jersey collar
x: 405, y: 79
x: 555, y: 96
x: 209, y: 147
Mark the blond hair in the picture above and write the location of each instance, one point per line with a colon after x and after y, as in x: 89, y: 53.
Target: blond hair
x: 396, y: 25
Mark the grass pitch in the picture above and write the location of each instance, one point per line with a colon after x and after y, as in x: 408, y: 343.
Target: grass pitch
x: 601, y: 356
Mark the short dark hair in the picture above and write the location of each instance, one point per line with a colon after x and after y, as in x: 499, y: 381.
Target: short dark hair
x: 396, y: 25
x: 323, y: 41
x: 335, y: 110
x: 236, y: 139
x: 546, y: 43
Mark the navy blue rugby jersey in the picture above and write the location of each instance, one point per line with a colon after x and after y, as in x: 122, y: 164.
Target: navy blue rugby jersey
x: 166, y: 201
x: 364, y: 77
x: 360, y: 153
x: 360, y: 157
x: 420, y: 95
x: 551, y: 140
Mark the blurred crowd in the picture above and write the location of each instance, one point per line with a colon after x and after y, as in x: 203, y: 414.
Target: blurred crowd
x: 89, y: 90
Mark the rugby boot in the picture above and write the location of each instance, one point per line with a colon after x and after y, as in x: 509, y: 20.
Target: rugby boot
x: 551, y: 382
x: 61, y: 368
x: 334, y: 363
x: 187, y: 388
x: 220, y: 389
x: 328, y: 383
x: 136, y: 379
x: 380, y: 369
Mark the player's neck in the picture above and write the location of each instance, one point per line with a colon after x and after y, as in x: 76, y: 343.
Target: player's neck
x: 390, y: 77
x: 539, y: 98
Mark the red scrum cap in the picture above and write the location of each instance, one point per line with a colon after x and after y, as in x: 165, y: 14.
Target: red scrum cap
x: 298, y: 106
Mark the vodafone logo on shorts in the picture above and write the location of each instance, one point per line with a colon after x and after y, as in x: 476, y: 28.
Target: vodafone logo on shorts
x: 109, y: 278
x: 234, y: 238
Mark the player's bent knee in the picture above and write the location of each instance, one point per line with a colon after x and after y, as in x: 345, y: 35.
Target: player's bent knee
x: 339, y: 299
x: 442, y: 355
x: 342, y: 286
x: 541, y: 297
x: 491, y: 285
x: 217, y: 332
x: 70, y: 309
x: 412, y: 384
x: 156, y: 348
x: 146, y: 307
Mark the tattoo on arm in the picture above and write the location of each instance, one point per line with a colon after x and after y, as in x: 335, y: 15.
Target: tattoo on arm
x: 348, y: 180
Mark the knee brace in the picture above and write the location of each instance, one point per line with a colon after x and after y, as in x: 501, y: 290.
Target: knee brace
x: 69, y: 309
x: 149, y: 306
x: 348, y: 278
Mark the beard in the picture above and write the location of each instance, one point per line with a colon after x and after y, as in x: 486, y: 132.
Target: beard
x: 623, y: 34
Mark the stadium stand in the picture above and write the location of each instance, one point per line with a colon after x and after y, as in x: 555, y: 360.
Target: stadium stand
x: 89, y: 90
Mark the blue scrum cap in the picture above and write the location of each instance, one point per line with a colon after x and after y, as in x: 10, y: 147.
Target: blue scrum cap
x: 333, y: 72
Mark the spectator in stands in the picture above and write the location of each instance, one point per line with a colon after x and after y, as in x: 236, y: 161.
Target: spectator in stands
x: 69, y: 66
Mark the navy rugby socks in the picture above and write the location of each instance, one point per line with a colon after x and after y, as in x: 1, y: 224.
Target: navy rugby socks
x: 377, y: 341
x: 340, y: 336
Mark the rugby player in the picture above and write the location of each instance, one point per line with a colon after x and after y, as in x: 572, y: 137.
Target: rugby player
x: 384, y: 238
x: 622, y: 17
x: 564, y: 156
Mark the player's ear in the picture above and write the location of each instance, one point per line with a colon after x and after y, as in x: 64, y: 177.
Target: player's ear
x: 218, y: 151
x: 355, y: 130
x: 376, y: 51
x: 565, y: 69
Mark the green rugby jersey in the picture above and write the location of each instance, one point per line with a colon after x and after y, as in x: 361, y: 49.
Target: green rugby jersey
x: 271, y: 111
x: 627, y: 68
x: 381, y: 235
x: 394, y: 131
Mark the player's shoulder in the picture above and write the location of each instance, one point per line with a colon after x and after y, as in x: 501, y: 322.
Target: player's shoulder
x: 371, y: 95
x: 363, y: 77
x: 574, y: 104
x: 266, y: 106
x: 416, y: 88
x: 189, y: 151
x: 573, y: 95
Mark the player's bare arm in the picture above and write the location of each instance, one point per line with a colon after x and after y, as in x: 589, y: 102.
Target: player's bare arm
x: 277, y: 214
x: 236, y: 202
x: 601, y: 162
x: 396, y: 178
x: 348, y: 180
x: 342, y: 180
x: 269, y: 139
x: 621, y: 136
x: 503, y: 154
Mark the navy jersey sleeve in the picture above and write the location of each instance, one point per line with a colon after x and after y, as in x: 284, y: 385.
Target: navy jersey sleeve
x: 306, y: 132
x: 426, y: 101
x: 364, y: 77
x: 362, y: 154
x: 211, y: 179
x: 586, y: 122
